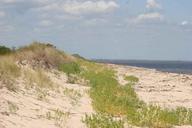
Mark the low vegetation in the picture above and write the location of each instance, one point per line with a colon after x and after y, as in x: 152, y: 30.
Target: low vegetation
x: 13, y: 108
x: 5, y: 50
x: 74, y: 95
x: 132, y: 79
x: 70, y: 68
x: 111, y: 100
x: 37, y: 78
x: 46, y: 55
x: 9, y: 71
x: 58, y: 116
x: 102, y: 121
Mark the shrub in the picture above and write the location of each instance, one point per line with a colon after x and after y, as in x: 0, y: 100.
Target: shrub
x: 4, y: 50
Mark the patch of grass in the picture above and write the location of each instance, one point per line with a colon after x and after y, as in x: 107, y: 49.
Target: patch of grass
x: 9, y: 71
x: 37, y: 78
x: 58, y: 116
x: 74, y: 95
x: 12, y: 107
x: 132, y: 79
x: 42, y: 54
x: 42, y: 94
x: 102, y: 121
x: 70, y: 68
x: 116, y: 100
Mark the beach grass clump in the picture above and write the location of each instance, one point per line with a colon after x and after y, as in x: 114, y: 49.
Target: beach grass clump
x: 9, y: 71
x: 37, y: 78
x: 70, y: 68
x: 42, y: 54
x: 74, y: 95
x: 102, y: 121
x: 58, y: 116
x: 131, y: 79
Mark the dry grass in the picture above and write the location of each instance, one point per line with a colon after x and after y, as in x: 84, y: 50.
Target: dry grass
x: 38, y: 54
x: 8, y: 72
x: 37, y: 79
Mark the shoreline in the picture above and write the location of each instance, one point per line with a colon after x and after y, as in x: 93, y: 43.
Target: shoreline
x: 161, y: 69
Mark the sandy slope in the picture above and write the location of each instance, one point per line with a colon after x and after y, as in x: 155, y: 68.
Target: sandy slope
x: 23, y: 109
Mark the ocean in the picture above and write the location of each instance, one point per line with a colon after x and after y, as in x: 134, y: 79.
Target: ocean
x: 184, y: 67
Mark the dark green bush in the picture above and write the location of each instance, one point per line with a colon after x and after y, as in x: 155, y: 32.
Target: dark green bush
x: 4, y: 50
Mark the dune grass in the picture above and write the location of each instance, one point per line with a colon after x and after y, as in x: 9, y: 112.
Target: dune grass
x: 37, y: 78
x: 9, y: 71
x: 102, y: 121
x: 132, y: 79
x: 70, y: 68
x: 45, y: 54
x: 109, y: 97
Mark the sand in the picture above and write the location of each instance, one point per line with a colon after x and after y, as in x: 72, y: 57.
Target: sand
x: 169, y: 90
x: 25, y: 108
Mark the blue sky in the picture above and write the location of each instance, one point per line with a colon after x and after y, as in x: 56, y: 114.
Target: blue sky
x: 112, y: 29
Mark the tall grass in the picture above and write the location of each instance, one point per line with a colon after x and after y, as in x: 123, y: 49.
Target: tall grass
x: 9, y: 71
x: 70, y: 68
x: 45, y: 54
x: 37, y: 78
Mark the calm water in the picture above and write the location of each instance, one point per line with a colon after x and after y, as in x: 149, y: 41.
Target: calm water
x: 167, y: 66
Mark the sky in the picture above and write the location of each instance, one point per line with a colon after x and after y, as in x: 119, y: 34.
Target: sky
x: 102, y: 29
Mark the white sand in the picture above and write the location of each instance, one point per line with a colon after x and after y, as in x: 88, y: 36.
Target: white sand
x: 32, y: 112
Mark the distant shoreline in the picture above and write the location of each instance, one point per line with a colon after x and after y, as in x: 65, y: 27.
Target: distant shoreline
x: 180, y: 67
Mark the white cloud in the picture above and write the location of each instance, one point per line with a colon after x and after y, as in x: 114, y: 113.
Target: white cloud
x: 184, y: 23
x: 150, y: 16
x: 45, y: 23
x: 85, y: 7
x: 152, y: 4
x: 89, y: 6
x: 2, y: 14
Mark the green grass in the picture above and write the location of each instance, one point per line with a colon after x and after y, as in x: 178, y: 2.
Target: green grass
x: 70, y: 68
x: 102, y: 121
x: 131, y: 79
x: 109, y: 97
